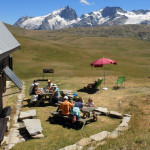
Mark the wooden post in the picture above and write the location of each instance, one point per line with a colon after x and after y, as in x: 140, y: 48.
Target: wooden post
x: 1, y: 99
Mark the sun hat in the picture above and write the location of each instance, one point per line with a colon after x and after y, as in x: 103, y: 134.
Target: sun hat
x: 54, y: 85
x: 36, y: 83
x: 75, y: 94
x: 65, y: 97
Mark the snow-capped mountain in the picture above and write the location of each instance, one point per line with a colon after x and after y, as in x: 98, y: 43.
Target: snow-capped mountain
x: 67, y: 17
x: 56, y: 20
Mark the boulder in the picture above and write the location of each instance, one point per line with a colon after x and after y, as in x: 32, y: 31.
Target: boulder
x: 102, y: 110
x: 115, y: 114
x: 33, y: 126
x: 27, y: 114
x: 84, y: 142
x: 100, y: 136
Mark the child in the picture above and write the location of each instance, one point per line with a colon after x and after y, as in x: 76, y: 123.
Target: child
x: 90, y: 103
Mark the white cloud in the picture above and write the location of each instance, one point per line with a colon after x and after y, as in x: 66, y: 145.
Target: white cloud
x: 85, y: 2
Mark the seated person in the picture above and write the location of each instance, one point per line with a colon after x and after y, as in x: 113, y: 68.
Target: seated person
x: 76, y: 114
x: 55, y: 91
x: 91, y: 85
x: 49, y: 86
x: 65, y: 107
x: 35, y: 92
x: 79, y: 103
x: 90, y: 103
x: 75, y: 98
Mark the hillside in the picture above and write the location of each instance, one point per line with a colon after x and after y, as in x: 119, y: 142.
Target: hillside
x: 70, y: 51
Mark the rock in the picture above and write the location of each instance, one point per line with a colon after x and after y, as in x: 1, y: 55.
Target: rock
x: 8, y: 126
x: 16, y: 125
x: 21, y: 96
x: 102, y: 110
x: 91, y: 148
x: 127, y: 115
x: 8, y: 118
x: 15, y: 119
x: 22, y: 140
x: 13, y: 140
x: 27, y: 114
x: 126, y: 119
x: 14, y: 130
x: 4, y: 140
x: 122, y: 127
x: 39, y: 136
x: 101, y: 143
x: 100, y: 136
x: 113, y: 135
x: 17, y: 113
x: 8, y: 84
x: 33, y: 126
x: 115, y: 114
x: 72, y: 147
x: 84, y: 142
x: 10, y: 146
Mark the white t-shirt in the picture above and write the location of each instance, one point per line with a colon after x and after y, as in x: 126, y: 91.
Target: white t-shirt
x: 90, y: 104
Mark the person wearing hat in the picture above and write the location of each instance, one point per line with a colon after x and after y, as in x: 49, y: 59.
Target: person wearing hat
x: 55, y: 91
x: 75, y: 97
x: 65, y: 107
x: 35, y: 91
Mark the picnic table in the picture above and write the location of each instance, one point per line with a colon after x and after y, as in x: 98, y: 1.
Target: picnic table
x: 90, y: 113
x: 45, y: 96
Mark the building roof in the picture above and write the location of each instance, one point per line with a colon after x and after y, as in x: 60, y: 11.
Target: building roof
x: 8, y: 43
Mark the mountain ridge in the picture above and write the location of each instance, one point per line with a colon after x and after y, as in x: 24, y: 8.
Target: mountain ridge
x: 66, y: 17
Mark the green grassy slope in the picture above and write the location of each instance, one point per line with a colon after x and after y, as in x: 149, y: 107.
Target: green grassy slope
x: 70, y: 51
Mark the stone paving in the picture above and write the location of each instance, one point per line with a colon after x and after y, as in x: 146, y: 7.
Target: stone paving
x: 18, y: 133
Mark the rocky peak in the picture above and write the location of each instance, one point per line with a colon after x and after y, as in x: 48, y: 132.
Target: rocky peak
x: 111, y: 11
x: 141, y: 11
x: 21, y: 20
x: 68, y: 14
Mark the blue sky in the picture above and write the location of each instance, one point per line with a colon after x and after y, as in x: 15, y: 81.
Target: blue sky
x: 12, y: 10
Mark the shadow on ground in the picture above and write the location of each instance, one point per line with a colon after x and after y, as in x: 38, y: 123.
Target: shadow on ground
x: 89, y: 91
x: 65, y: 123
x: 42, y: 104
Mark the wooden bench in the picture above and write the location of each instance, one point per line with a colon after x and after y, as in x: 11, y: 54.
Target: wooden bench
x: 3, y: 127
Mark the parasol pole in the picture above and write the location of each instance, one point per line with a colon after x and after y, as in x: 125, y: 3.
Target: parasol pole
x: 104, y: 82
x: 104, y: 77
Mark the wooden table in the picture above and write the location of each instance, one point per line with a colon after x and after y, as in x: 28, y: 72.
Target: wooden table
x: 90, y: 113
x: 44, y: 96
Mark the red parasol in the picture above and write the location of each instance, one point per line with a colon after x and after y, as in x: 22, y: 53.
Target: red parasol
x: 101, y: 62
